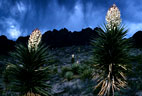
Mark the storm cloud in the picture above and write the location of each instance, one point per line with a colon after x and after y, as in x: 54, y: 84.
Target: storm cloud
x: 20, y: 17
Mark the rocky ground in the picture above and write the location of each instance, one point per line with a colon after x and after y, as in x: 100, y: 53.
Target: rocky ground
x: 61, y: 57
x: 78, y: 87
x: 75, y: 87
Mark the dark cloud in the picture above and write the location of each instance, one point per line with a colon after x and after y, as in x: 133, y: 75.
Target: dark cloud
x: 20, y: 17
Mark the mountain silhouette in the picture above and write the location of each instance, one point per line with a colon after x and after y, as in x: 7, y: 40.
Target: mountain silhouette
x: 63, y: 38
x: 137, y: 39
x: 6, y: 45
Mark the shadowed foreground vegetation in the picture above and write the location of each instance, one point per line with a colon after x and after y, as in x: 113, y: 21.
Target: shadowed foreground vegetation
x: 68, y: 79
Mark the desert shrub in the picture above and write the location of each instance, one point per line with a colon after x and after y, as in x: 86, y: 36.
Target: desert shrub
x: 87, y: 62
x: 1, y: 69
x: 87, y: 74
x: 1, y: 90
x: 52, y: 61
x: 3, y: 60
x: 83, y: 67
x: 83, y: 71
x: 69, y: 75
x: 75, y: 68
x: 65, y: 69
x: 54, y: 69
x: 135, y: 77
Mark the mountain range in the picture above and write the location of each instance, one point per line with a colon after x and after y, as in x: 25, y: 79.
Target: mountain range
x: 63, y: 38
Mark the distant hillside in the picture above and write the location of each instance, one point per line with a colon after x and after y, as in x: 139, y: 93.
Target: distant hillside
x: 137, y: 39
x: 63, y: 38
x: 6, y: 45
x: 54, y: 39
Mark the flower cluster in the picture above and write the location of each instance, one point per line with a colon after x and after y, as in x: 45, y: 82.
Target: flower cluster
x: 113, y: 17
x: 34, y: 40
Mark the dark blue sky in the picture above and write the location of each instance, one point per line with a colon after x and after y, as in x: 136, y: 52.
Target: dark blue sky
x: 20, y: 17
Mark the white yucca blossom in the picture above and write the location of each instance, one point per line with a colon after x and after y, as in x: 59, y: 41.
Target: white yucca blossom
x: 77, y: 62
x: 72, y: 55
x: 113, y: 17
x: 34, y: 39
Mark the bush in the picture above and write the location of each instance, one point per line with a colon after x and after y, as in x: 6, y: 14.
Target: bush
x: 55, y: 70
x: 75, y: 68
x: 52, y: 61
x: 1, y: 90
x: 87, y: 74
x: 135, y: 77
x: 83, y: 67
x: 82, y: 71
x: 65, y: 69
x: 69, y: 75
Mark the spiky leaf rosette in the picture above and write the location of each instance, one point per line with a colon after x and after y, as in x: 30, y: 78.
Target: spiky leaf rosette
x: 111, y: 59
x: 29, y: 71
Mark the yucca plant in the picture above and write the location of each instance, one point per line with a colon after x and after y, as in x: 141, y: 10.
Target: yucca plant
x: 111, y: 57
x: 28, y: 72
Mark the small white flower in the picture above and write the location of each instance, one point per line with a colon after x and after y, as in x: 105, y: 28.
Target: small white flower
x: 72, y: 55
x: 77, y: 62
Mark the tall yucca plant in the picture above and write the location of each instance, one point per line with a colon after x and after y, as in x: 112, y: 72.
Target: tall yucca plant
x: 28, y: 72
x: 110, y: 57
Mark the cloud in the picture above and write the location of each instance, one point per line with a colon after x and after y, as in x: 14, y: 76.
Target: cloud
x: 10, y: 18
x: 132, y: 12
x: 133, y: 28
x: 12, y: 28
x: 21, y: 7
x: 14, y: 32
x: 20, y: 17
x: 76, y: 20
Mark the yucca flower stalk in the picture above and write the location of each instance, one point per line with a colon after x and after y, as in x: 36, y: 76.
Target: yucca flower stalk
x: 72, y: 58
x: 113, y: 17
x: 111, y: 57
x: 34, y: 40
x: 28, y: 71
